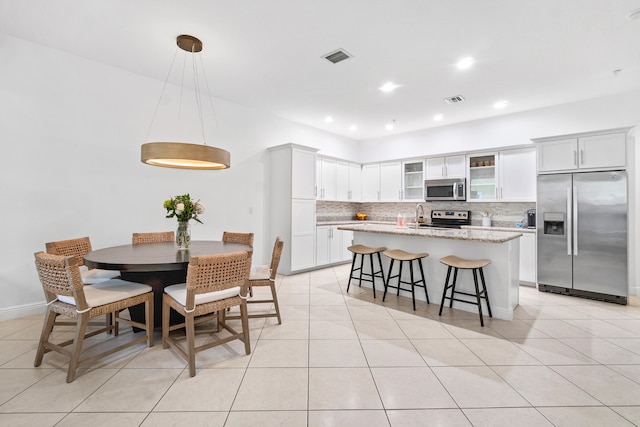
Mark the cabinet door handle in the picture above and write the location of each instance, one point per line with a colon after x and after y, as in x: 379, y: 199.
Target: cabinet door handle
x: 501, y: 192
x: 378, y: 194
x: 582, y: 157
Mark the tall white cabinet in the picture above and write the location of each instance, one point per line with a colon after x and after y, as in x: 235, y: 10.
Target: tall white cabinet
x: 292, y: 206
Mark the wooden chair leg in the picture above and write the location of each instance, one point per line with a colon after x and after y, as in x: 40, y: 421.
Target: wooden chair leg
x: 245, y: 327
x: 166, y: 311
x: 47, y: 328
x: 191, y: 340
x: 113, y: 318
x: 274, y: 295
x: 76, y: 349
x: 149, y: 319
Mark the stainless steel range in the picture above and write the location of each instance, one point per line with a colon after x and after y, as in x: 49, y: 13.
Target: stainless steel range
x: 449, y: 219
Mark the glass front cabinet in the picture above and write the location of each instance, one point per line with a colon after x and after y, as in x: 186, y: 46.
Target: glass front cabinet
x: 482, y: 177
x: 413, y: 181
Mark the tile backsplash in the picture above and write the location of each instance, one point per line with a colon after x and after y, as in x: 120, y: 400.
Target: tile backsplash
x: 503, y: 214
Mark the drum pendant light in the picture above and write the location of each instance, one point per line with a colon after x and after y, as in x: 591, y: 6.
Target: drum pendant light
x: 181, y: 154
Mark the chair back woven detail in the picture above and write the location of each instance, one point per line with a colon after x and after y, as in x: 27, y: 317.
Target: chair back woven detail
x: 60, y: 275
x: 73, y: 247
x: 213, y: 273
x: 155, y: 237
x: 242, y: 238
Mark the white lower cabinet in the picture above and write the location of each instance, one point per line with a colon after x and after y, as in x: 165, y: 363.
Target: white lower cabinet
x: 528, y: 258
x: 303, y: 216
x: 331, y: 245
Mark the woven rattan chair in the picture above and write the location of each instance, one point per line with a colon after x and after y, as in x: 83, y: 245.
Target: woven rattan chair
x: 79, y: 248
x: 243, y: 238
x: 157, y: 237
x: 214, y: 284
x: 265, y: 275
x: 67, y: 295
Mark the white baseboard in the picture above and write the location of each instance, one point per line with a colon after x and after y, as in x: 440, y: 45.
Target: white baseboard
x: 22, y: 311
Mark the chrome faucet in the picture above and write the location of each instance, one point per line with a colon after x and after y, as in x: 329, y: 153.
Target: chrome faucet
x: 419, y: 213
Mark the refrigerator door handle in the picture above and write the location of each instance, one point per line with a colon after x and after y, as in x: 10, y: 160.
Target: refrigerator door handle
x: 575, y: 221
x: 569, y: 222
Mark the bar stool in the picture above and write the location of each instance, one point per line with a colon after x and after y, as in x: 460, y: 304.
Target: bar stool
x: 456, y: 263
x: 402, y: 256
x: 363, y: 250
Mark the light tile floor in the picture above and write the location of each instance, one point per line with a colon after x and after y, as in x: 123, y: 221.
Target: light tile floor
x: 343, y: 359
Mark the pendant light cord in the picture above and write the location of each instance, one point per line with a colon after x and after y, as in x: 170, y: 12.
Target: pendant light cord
x: 155, y: 112
x: 206, y: 82
x: 196, y: 83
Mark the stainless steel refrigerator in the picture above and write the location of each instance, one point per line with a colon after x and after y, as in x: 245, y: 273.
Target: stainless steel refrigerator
x: 582, y: 234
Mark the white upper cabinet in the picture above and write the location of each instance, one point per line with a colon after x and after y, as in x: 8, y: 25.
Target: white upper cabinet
x: 326, y: 179
x: 483, y: 177
x: 342, y: 181
x: 446, y: 167
x: 355, y: 182
x: 517, y: 170
x: 303, y: 170
x: 604, y: 151
x: 338, y: 180
x: 413, y: 181
x: 371, y: 182
x: 391, y: 182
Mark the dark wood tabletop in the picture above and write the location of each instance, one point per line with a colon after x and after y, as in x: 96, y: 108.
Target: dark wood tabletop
x: 149, y: 257
x: 157, y: 265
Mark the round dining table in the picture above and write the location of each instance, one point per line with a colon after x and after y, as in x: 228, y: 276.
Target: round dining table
x: 157, y: 265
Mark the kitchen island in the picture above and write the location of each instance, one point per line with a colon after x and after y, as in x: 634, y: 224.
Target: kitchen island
x: 501, y: 247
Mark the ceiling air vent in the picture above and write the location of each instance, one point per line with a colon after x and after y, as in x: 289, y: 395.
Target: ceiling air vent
x: 454, y: 99
x: 337, y: 56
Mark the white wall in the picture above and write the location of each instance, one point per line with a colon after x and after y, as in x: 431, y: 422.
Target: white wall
x: 71, y: 130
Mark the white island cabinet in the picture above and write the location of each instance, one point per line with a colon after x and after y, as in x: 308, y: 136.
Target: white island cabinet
x: 502, y: 248
x: 293, y: 205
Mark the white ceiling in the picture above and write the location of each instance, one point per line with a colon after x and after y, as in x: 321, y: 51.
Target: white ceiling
x: 268, y: 54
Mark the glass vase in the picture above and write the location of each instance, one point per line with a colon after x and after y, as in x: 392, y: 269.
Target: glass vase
x: 183, y: 235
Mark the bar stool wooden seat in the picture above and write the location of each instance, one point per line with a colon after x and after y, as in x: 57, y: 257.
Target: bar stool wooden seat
x: 363, y: 251
x: 402, y: 256
x: 456, y: 263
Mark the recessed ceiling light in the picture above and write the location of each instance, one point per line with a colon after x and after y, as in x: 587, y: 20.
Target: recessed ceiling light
x: 328, y: 119
x: 500, y: 104
x: 388, y: 87
x: 353, y: 127
x: 465, y: 63
x: 438, y: 117
x: 391, y: 126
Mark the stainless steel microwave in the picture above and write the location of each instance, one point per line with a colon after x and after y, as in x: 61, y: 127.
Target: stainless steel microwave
x: 445, y: 189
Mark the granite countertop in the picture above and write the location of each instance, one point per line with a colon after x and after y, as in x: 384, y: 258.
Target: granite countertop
x: 353, y: 221
x: 487, y: 235
x: 509, y: 229
x: 412, y: 225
